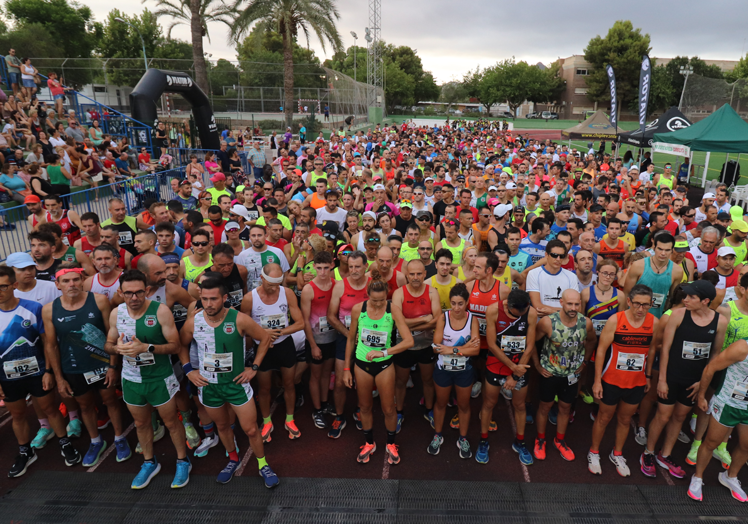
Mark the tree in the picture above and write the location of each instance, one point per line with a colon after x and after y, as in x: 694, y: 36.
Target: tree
x: 662, y: 93
x: 288, y: 18
x: 623, y: 48
x: 197, y: 14
x: 740, y: 70
x: 677, y: 80
x: 477, y: 86
x: 399, y: 89
x: 452, y: 92
x: 223, y: 74
x: 517, y: 82
x: 344, y: 62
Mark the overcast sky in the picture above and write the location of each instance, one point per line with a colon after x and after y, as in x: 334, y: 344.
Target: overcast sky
x: 453, y: 37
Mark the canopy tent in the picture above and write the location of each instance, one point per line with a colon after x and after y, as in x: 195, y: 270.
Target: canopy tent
x: 597, y: 126
x: 672, y: 120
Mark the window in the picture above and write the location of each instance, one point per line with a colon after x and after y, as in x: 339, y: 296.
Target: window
x: 99, y: 89
x: 582, y: 72
x: 580, y: 91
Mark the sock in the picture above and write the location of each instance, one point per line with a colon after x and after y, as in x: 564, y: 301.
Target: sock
x: 64, y: 441
x: 26, y: 449
x: 117, y: 438
x: 647, y: 452
x: 400, y: 412
x: 261, y: 462
x: 73, y: 415
x: 560, y: 436
x: 484, y: 436
x: 266, y: 420
x: 462, y: 438
x: 96, y: 440
x: 594, y: 451
x: 154, y: 420
x: 151, y: 460
x: 721, y: 447
x: 289, y: 418
x: 234, y: 456
x: 185, y: 459
x: 390, y: 437
x: 439, y: 434
x: 44, y: 422
x: 208, y: 429
x: 541, y: 436
x: 186, y: 416
x: 520, y: 438
x: 339, y: 416
x: 369, y: 435
x: 617, y: 453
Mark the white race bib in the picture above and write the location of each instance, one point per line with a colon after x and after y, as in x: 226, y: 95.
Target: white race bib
x: 573, y: 379
x: 144, y: 359
x: 95, y: 375
x: 482, y: 327
x: 740, y: 392
x: 347, y: 321
x: 20, y: 368
x: 125, y: 237
x: 273, y: 321
x: 730, y: 295
x: 598, y: 325
x: 324, y: 327
x: 657, y: 300
x: 454, y: 363
x: 373, y: 339
x: 218, y: 362
x: 235, y: 297
x: 696, y: 350
x: 513, y: 345
x: 630, y: 362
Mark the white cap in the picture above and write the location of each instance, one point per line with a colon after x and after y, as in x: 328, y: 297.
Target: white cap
x: 378, y: 187
x: 708, y: 195
x: 369, y: 214
x: 511, y: 185
x: 726, y: 250
x: 492, y: 188
x: 428, y: 178
x: 632, y: 168
x: 501, y: 210
x: 240, y: 210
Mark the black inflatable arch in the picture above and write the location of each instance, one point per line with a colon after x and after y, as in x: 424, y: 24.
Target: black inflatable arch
x: 155, y: 82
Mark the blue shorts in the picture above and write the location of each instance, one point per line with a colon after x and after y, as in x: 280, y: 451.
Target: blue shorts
x: 340, y: 347
x: 14, y: 78
x: 59, y: 97
x: 29, y: 83
x: 460, y: 379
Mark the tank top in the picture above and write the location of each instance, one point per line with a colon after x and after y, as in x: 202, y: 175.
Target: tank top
x: 68, y: 256
x: 233, y: 285
x: 665, y: 182
x: 614, y: 253
x: 271, y: 316
x: 728, y: 283
x: 374, y: 335
x: 350, y: 298
x: 511, y: 337
x: 686, y: 273
x: 443, y: 291
x: 599, y: 311
x: 506, y: 277
x: 49, y: 273
x: 108, y: 291
x: 81, y: 336
x: 733, y: 389
x: 478, y: 305
x: 484, y: 236
x: 220, y: 350
x: 86, y: 246
x: 737, y: 327
x: 691, y: 349
x: 660, y: 285
x: 626, y: 358
x: 563, y: 351
x: 453, y: 338
x: 360, y: 244
x: 317, y: 202
x: 191, y: 271
x: 126, y: 232
x: 456, y: 251
x: 392, y: 285
x: 70, y: 232
x: 323, y: 332
x: 414, y: 307
x: 741, y: 251
x: 408, y: 253
x: 146, y: 367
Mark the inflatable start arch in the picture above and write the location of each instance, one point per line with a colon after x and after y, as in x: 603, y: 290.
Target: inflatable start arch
x: 155, y: 82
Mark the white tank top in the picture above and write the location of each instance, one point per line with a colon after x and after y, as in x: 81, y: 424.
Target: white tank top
x: 452, y: 338
x: 159, y: 296
x: 271, y: 316
x: 108, y: 291
x: 360, y: 246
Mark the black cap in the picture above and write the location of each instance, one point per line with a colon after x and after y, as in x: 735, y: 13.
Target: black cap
x: 700, y: 288
x: 594, y: 208
x: 519, y: 209
x: 722, y: 215
x: 563, y: 207
x: 329, y: 226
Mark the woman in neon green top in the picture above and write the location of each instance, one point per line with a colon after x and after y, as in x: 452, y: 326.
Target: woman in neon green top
x: 370, y: 340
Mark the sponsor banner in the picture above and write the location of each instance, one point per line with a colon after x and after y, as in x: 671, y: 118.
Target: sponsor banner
x: 613, y: 94
x: 671, y: 149
x: 645, y: 84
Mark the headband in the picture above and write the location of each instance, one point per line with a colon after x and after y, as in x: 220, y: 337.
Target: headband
x: 170, y: 258
x: 68, y: 270
x: 273, y: 280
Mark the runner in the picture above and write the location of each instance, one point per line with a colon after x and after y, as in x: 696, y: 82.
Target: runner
x: 42, y: 247
x: 623, y: 367
x: 602, y: 301
x: 547, y: 283
x: 658, y: 273
x: 234, y: 275
x: 611, y: 246
x: 216, y: 338
x: 69, y: 221
x: 143, y: 332
x: 28, y: 286
x: 452, y: 241
x: 728, y: 273
x: 370, y: 341
x: 394, y: 278
x: 201, y: 259
x: 510, y: 333
x: 258, y: 256
x: 106, y: 279
x: 443, y: 281
x: 92, y: 230
x: 125, y: 225
x: 110, y: 235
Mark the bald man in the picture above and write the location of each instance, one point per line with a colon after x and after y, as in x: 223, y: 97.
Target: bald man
x: 384, y: 264
x: 568, y: 341
x: 426, y: 255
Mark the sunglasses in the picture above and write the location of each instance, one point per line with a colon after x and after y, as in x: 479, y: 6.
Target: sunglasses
x: 200, y: 244
x: 232, y: 230
x: 346, y: 253
x: 556, y: 255
x: 207, y: 198
x: 373, y: 239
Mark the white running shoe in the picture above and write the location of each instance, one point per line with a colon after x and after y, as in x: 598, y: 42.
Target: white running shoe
x: 477, y: 388
x: 695, y: 488
x: 593, y: 463
x: 684, y: 438
x: 641, y: 436
x: 733, y: 484
x: 410, y: 384
x: 621, y: 466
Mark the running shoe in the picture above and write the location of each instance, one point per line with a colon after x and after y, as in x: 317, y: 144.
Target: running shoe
x: 475, y: 391
x: 684, y: 438
x: 410, y: 384
x: 193, y: 439
x: 530, y: 413
x: 319, y: 419
x: 267, y: 429
x: 182, y: 476
x: 357, y: 419
x: 647, y: 462
x: 429, y: 416
x: 269, y: 476
x: 464, y: 446
x: 227, y: 473
x: 22, y: 462
x: 72, y: 456
x: 103, y: 421
x: 328, y: 409
x: 293, y: 431
x: 563, y: 448
x: 400, y: 419
x: 436, y: 445
x: 587, y: 397
x: 367, y: 450
x: 525, y: 457
x: 572, y: 415
x: 693, y: 453
x: 94, y: 453
x: 620, y: 463
x: 640, y: 436
x: 593, y: 463
x: 123, y: 450
x: 159, y: 432
x: 721, y: 454
x: 208, y: 442
x: 375, y: 393
x: 481, y: 454
x: 506, y: 393
x: 733, y: 484
x: 539, y: 448
x: 393, y: 456
x: 337, y: 427
x: 553, y: 415
x: 455, y: 422
x: 147, y: 471
x: 493, y: 426
x: 41, y: 438
x: 74, y: 428
x: 695, y: 488
x: 668, y: 464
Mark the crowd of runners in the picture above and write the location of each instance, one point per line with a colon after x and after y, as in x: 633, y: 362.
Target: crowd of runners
x: 487, y: 263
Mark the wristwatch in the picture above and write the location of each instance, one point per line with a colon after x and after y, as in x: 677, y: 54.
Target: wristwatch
x: 50, y: 371
x: 454, y: 351
x: 151, y: 348
x: 255, y: 367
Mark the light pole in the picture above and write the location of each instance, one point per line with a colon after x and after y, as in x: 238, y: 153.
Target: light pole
x: 355, y: 39
x: 686, y: 71
x: 123, y: 21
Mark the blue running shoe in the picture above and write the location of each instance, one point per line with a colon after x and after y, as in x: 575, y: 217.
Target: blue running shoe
x: 123, y: 450
x: 227, y: 473
x: 41, y: 438
x: 429, y: 415
x: 182, y: 476
x: 525, y: 457
x: 269, y: 476
x: 400, y: 419
x: 553, y: 415
x: 530, y: 414
x: 94, y: 453
x: 147, y: 471
x: 481, y: 454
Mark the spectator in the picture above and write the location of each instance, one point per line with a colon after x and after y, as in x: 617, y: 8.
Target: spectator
x: 14, y: 71
x: 123, y: 167
x: 75, y: 132
x: 58, y: 95
x: 95, y: 133
x: 16, y: 188
x: 27, y: 79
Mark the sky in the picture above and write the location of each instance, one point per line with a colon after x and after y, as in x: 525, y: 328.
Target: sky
x: 453, y: 38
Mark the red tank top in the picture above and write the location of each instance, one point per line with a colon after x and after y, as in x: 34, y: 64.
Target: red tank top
x: 320, y: 301
x: 414, y: 307
x: 570, y: 264
x: 70, y: 232
x: 121, y: 262
x: 626, y: 359
x: 350, y: 298
x: 392, y: 285
x: 399, y: 266
x: 86, y: 246
x: 617, y: 253
x: 478, y: 305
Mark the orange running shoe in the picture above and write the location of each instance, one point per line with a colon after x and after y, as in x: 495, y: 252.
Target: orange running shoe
x: 293, y: 431
x: 393, y: 457
x: 564, y: 449
x: 539, y: 449
x: 267, y: 429
x: 367, y: 450
x: 455, y: 422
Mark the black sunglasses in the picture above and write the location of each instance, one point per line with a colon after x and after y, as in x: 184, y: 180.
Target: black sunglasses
x: 200, y: 244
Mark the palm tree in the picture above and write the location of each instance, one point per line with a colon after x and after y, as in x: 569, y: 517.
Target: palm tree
x: 288, y: 18
x: 196, y: 13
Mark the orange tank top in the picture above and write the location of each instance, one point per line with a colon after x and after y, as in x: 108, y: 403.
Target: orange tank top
x: 626, y: 359
x: 317, y: 202
x: 483, y: 236
x: 478, y: 305
x: 614, y: 253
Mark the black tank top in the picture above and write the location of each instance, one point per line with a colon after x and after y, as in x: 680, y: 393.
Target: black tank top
x: 691, y: 349
x: 233, y: 285
x: 49, y: 273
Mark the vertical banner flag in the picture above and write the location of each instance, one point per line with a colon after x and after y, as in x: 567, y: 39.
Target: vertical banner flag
x: 613, y: 99
x: 645, y: 84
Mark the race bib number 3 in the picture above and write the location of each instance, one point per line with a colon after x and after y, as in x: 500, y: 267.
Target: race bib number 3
x: 218, y: 362
x: 21, y: 368
x: 374, y: 339
x: 630, y: 362
x: 696, y: 350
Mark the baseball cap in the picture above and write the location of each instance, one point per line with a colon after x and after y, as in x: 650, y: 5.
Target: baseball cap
x: 519, y: 209
x: 725, y: 250
x: 700, y: 288
x: 492, y: 188
x: 501, y: 210
x: 428, y: 179
x: 460, y: 178
x: 737, y: 213
x: 240, y: 210
x: 218, y: 177
x: 634, y: 168
x: 493, y: 201
x: 231, y: 226
x: 739, y: 225
x: 604, y: 167
x: 724, y: 215
x: 31, y: 199
x: 511, y: 185
x: 369, y: 214
x: 563, y: 207
x: 709, y: 195
x: 681, y: 246
x: 595, y: 208
x: 423, y: 214
x: 182, y: 183
x: 379, y: 187
x: 20, y: 260
x: 406, y: 203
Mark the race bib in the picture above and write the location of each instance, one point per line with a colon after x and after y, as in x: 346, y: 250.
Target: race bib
x: 273, y: 321
x: 235, y: 297
x: 454, y: 363
x: 730, y: 295
x: 513, y: 345
x: 95, y: 375
x: 324, y: 327
x: 657, y: 300
x: 347, y: 321
x: 65, y: 241
x: 373, y: 339
x: 482, y: 327
x: 218, y: 362
x: 630, y: 362
x: 144, y: 359
x: 740, y: 392
x: 20, y: 368
x: 696, y: 350
x: 598, y: 325
x: 125, y: 237
x: 573, y: 379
